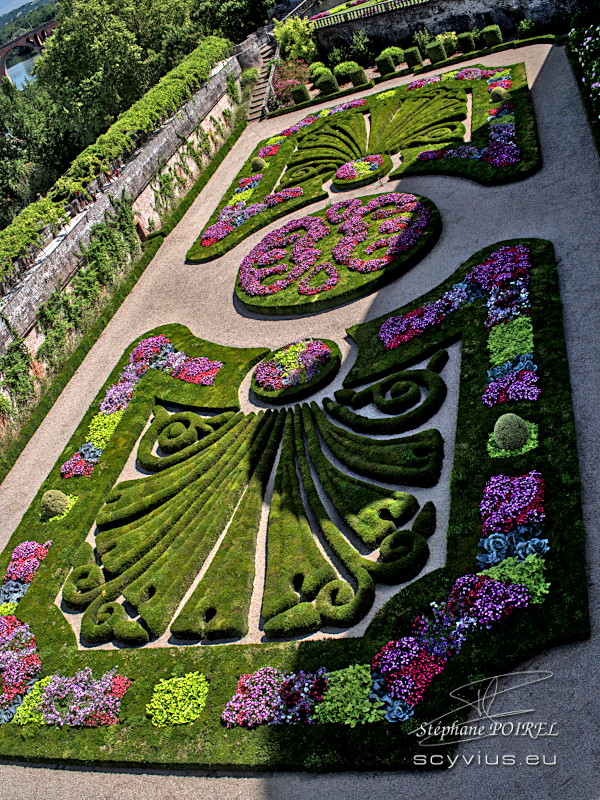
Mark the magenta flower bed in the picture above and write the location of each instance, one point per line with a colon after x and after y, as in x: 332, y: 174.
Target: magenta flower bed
x: 508, y: 502
x: 20, y: 664
x: 25, y: 561
x: 299, y: 237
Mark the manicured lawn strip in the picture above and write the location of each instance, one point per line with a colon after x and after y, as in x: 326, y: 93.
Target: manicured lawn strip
x: 291, y: 394
x: 561, y: 618
x: 352, y: 285
x: 73, y: 363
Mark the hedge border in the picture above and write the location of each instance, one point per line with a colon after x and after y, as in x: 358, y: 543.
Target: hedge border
x: 75, y: 360
x: 291, y: 394
x: 321, y: 99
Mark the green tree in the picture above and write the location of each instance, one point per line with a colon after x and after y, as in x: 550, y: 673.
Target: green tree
x: 296, y: 39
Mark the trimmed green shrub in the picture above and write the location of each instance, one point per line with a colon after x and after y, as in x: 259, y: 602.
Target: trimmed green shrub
x: 396, y: 54
x: 347, y: 698
x: 299, y: 93
x: 343, y: 70
x: 178, y: 700
x: 321, y: 70
x: 54, y: 503
x: 327, y: 84
x: 425, y: 521
x: 421, y: 39
x: 385, y: 65
x: 436, y: 52
x: 491, y: 36
x: 413, y: 57
x: 498, y: 94
x: 525, y: 28
x: 465, y: 42
x: 450, y: 41
x: 358, y: 77
x: 315, y: 67
x: 511, y: 432
x: 258, y: 164
x: 529, y: 572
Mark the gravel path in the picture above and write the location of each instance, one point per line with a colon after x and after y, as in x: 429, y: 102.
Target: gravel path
x: 558, y: 203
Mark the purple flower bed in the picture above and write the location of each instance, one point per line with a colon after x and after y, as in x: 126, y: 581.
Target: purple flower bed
x: 297, y: 363
x: 267, y: 696
x: 84, y: 701
x: 508, y: 502
x: 503, y: 279
x: 155, y: 352
x: 266, y: 260
x: 20, y: 664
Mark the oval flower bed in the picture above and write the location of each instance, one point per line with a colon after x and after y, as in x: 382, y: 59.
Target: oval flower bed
x: 361, y: 172
x: 296, y: 370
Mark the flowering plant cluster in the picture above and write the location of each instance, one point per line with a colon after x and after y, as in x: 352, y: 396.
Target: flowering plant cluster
x: 503, y: 278
x: 419, y: 82
x: 20, y: 664
x: 585, y: 46
x: 502, y: 149
x: 83, y: 700
x: 287, y: 75
x: 155, y: 352
x: 338, y: 9
x: 178, y: 700
x: 512, y: 510
x: 294, y: 364
x: 403, y: 669
x: 359, y: 168
x: 244, y: 189
x: 267, y: 696
x: 24, y: 563
x: 403, y: 216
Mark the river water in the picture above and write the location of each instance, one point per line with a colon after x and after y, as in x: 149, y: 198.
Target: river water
x: 21, y: 72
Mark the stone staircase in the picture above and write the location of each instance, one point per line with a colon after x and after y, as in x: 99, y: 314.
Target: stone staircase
x: 259, y: 95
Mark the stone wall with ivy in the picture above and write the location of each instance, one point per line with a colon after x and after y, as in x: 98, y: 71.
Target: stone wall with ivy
x: 162, y: 168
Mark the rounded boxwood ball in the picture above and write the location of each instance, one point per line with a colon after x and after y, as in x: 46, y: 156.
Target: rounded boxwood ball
x: 54, y: 503
x: 511, y: 432
x: 258, y: 163
x: 498, y: 94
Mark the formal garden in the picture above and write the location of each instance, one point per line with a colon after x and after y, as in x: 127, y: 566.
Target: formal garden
x: 272, y: 578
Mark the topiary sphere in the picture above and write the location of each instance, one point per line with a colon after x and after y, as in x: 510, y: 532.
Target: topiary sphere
x: 498, y: 94
x: 54, y: 503
x: 511, y: 432
x: 258, y: 163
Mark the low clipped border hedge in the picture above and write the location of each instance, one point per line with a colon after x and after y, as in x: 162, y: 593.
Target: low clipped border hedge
x: 325, y: 302
x: 560, y: 619
x: 291, y: 394
x: 150, y: 249
x: 321, y: 99
x: 594, y: 123
x: 356, y: 183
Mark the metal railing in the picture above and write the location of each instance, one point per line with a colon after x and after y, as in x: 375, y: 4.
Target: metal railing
x: 369, y: 11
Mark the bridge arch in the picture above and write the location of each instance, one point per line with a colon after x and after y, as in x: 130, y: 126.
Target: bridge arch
x: 34, y: 39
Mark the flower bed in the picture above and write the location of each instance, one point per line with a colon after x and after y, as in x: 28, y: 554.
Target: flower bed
x: 24, y: 564
x: 296, y: 371
x: 178, y: 700
x: 362, y: 171
x: 403, y: 226
x: 153, y: 353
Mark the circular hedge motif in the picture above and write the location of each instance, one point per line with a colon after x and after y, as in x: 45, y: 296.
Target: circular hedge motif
x: 296, y: 370
x: 346, y: 251
x: 364, y: 170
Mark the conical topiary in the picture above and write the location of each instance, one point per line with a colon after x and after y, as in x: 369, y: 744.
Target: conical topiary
x: 511, y: 432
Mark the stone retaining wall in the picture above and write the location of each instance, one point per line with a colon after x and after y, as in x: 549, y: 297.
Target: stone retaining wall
x: 19, y: 308
x: 444, y: 15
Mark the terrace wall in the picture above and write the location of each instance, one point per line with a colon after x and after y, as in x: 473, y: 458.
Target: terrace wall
x: 439, y: 16
x: 167, y: 149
